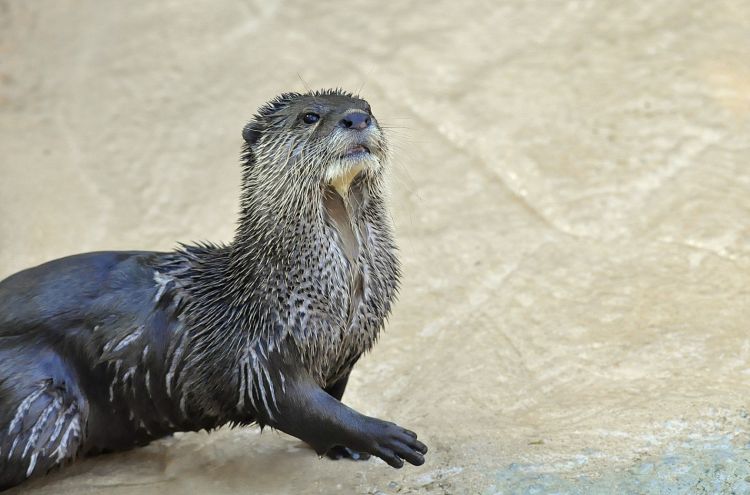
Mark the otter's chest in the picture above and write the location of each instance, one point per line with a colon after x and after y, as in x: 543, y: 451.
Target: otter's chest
x: 344, y: 260
x: 346, y: 277
x: 356, y: 286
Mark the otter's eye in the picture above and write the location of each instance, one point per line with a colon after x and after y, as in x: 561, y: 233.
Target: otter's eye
x: 310, y: 118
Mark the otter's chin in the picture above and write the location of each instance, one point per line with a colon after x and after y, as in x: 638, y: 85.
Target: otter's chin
x: 357, y: 159
x: 341, y: 175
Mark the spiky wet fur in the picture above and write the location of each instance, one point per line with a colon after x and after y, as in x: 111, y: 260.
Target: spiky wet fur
x: 284, y: 283
x: 105, y: 351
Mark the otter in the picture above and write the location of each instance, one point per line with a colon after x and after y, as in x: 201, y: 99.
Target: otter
x: 106, y: 351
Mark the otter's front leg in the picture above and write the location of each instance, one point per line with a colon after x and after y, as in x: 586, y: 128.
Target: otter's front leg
x: 339, y: 451
x: 337, y: 389
x: 309, y: 413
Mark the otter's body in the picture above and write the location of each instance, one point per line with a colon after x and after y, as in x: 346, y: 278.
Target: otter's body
x: 106, y: 351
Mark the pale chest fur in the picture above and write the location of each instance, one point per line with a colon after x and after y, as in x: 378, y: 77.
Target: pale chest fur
x: 343, y: 298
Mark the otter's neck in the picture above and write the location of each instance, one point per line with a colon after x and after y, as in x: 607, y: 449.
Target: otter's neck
x: 275, y: 237
x: 340, y: 210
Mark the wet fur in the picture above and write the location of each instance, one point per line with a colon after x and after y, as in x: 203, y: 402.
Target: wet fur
x: 106, y: 351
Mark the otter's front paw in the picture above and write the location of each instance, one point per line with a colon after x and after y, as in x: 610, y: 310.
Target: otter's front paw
x: 394, y: 444
x: 341, y: 452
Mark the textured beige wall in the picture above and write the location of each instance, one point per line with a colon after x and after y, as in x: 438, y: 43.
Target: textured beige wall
x: 571, y: 188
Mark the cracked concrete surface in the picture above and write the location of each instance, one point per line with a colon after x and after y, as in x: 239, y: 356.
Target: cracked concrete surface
x: 571, y: 191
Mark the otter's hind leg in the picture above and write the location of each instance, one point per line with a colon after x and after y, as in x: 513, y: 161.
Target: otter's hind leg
x: 44, y: 430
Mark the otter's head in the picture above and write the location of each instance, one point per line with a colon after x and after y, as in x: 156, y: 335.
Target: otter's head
x: 320, y: 139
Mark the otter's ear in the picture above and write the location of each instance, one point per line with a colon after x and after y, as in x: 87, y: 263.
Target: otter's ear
x: 250, y: 133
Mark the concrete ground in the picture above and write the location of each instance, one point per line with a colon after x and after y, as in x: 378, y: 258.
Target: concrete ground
x: 571, y: 191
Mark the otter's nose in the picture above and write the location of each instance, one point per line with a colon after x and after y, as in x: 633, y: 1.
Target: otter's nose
x: 355, y: 120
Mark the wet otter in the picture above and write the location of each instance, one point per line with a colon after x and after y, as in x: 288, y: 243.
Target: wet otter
x: 106, y: 351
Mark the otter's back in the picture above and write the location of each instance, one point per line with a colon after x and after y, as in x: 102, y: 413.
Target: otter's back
x: 63, y: 293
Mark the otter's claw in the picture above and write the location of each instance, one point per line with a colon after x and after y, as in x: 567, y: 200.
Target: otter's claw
x: 395, y: 445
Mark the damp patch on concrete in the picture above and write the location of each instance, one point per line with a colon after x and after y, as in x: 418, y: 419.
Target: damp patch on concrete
x: 708, y: 466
